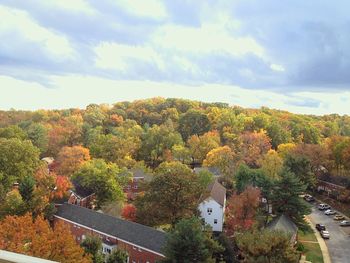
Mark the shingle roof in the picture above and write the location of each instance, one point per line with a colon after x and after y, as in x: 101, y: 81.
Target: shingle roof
x: 217, y: 192
x: 135, y: 233
x: 283, y: 223
x: 214, y: 170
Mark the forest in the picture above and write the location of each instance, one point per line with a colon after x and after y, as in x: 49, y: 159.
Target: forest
x: 96, y: 147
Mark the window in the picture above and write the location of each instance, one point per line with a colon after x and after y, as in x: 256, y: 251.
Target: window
x: 83, y: 237
x: 139, y: 249
x: 215, y: 221
x: 209, y: 210
x: 133, y: 247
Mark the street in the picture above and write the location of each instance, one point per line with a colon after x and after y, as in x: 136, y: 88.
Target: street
x: 339, y: 242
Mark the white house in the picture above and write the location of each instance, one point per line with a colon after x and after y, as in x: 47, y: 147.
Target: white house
x: 212, y: 207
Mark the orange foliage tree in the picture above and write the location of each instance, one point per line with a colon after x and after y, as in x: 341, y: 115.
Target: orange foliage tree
x: 70, y: 159
x: 129, y: 212
x: 22, y: 234
x: 241, y: 210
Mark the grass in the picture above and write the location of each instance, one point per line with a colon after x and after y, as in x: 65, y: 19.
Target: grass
x: 311, y: 250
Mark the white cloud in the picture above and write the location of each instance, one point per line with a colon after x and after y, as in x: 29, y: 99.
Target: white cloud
x: 206, y: 39
x: 115, y: 56
x: 80, y: 6
x: 144, y: 8
x: 79, y: 91
x: 20, y: 23
x: 277, y: 67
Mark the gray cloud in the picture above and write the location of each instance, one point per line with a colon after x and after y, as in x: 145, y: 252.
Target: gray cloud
x: 308, y: 38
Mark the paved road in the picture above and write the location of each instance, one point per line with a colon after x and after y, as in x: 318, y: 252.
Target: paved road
x: 339, y: 242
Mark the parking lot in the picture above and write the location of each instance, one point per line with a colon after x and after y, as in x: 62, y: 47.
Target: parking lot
x: 339, y: 242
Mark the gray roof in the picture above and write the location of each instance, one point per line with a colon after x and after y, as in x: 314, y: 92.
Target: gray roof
x: 283, y: 223
x: 217, y: 192
x: 134, y: 233
x: 214, y: 170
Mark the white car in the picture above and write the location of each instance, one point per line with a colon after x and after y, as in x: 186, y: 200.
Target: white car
x: 325, y: 234
x: 329, y: 212
x: 345, y: 223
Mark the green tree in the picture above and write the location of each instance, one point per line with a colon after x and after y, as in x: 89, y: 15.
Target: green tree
x: 171, y: 195
x: 101, y: 178
x: 118, y: 256
x: 93, y: 245
x: 193, y: 122
x: 155, y: 141
x: 18, y: 159
x: 286, y: 198
x: 246, y: 176
x: 37, y: 133
x: 190, y: 241
x: 12, y: 131
x: 26, y: 188
x: 266, y: 247
x: 300, y: 166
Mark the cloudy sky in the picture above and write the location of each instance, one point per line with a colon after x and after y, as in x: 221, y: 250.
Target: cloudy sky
x: 292, y: 55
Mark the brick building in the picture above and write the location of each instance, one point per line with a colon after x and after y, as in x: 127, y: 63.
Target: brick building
x: 82, y: 198
x: 143, y: 244
x: 134, y: 187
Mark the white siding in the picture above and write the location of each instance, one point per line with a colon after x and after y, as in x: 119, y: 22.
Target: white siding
x: 216, y: 214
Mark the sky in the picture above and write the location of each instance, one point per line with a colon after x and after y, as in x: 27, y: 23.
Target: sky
x: 292, y: 55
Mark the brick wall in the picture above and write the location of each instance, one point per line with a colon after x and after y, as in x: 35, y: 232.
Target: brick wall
x: 136, y: 254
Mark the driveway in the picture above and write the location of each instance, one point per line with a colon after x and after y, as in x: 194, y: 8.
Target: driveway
x: 339, y: 242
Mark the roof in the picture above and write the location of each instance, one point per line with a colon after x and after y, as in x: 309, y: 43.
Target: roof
x: 214, y: 170
x: 217, y: 192
x: 80, y: 192
x: 11, y: 257
x: 283, y: 223
x: 134, y: 233
x: 140, y: 173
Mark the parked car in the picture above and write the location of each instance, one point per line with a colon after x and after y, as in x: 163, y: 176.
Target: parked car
x: 325, y: 234
x: 326, y: 207
x: 309, y: 198
x: 320, y: 227
x: 339, y: 217
x: 329, y: 212
x: 321, y: 206
x: 345, y: 223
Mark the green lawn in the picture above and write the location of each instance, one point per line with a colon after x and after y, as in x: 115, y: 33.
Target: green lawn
x: 312, y: 250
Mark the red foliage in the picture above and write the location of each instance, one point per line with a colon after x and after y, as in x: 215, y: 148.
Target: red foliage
x: 241, y: 210
x: 129, y: 212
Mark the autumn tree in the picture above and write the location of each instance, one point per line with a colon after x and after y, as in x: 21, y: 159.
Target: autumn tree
x: 285, y: 149
x: 70, y: 159
x: 129, y: 212
x: 223, y: 158
x: 181, y: 153
x: 20, y: 234
x: 190, y: 241
x: 252, y: 146
x: 171, y: 195
x: 200, y: 146
x: 266, y: 246
x: 103, y: 179
x: 271, y: 164
x: 241, y: 210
